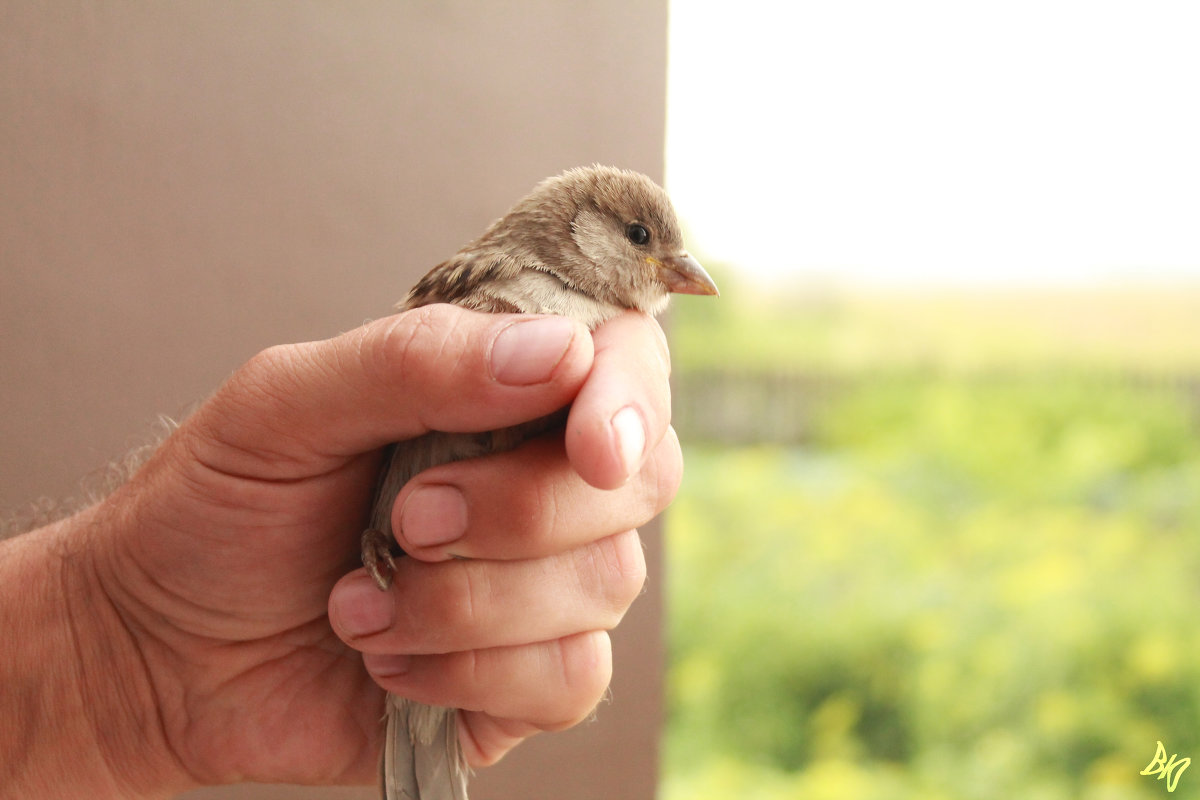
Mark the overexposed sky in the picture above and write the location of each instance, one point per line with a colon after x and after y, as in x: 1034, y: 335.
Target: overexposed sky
x: 1012, y: 142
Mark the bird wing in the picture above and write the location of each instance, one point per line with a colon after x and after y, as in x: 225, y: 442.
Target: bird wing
x: 461, y: 280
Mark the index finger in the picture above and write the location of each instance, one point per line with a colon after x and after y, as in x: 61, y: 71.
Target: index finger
x: 624, y: 407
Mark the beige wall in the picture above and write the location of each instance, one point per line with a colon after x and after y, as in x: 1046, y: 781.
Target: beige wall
x: 183, y: 184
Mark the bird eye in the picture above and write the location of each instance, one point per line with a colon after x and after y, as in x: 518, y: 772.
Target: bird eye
x: 637, y: 234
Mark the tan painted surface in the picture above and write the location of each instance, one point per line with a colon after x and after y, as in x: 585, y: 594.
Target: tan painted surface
x: 183, y: 184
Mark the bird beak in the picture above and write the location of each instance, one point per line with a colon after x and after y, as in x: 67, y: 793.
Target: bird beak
x: 683, y: 274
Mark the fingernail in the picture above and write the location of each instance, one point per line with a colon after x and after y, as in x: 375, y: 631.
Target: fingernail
x: 360, y: 608
x: 433, y: 515
x: 527, y: 352
x: 386, y: 665
x: 630, y: 434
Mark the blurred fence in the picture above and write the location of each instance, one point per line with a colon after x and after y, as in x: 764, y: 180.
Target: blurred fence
x: 730, y: 406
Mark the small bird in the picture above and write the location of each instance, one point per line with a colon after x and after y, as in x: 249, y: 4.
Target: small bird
x: 587, y: 244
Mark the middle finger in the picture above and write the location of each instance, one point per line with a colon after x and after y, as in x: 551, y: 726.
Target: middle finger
x: 459, y: 605
x: 526, y: 503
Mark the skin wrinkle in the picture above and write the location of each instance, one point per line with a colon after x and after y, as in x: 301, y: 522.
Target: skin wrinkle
x: 331, y: 374
x: 366, y: 354
x: 625, y: 557
x: 392, y: 356
x: 468, y: 735
x: 151, y: 714
x: 127, y: 600
x: 264, y: 452
x: 408, y: 358
x: 286, y: 692
x: 138, y: 615
x: 135, y: 612
x: 471, y: 597
x: 593, y: 580
x: 647, y: 488
x: 406, y: 620
x: 594, y: 577
x: 544, y: 515
x: 592, y: 561
x: 511, y: 731
x: 317, y: 642
x: 474, y: 669
x: 401, y: 356
x: 455, y: 363
x: 353, y: 352
x: 662, y: 350
x: 205, y: 476
x: 272, y: 375
x: 561, y: 650
x: 487, y: 355
x: 148, y: 580
x: 579, y: 661
x: 242, y: 492
x: 666, y: 482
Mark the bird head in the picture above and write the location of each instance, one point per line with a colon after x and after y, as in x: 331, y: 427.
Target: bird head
x: 625, y: 245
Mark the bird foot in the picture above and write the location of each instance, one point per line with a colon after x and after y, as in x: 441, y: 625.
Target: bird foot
x: 377, y: 557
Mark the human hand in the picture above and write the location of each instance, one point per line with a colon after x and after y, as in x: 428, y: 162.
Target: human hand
x: 218, y: 558
x: 511, y: 629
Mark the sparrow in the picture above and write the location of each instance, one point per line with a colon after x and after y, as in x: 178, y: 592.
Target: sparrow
x: 588, y: 244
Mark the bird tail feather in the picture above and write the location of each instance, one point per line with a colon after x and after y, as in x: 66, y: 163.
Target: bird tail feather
x: 422, y: 756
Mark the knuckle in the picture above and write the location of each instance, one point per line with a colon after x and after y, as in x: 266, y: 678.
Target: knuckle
x: 399, y: 345
x: 436, y: 613
x: 620, y: 566
x: 461, y: 597
x: 659, y: 352
x: 542, y: 508
x: 438, y: 347
x: 489, y: 738
x: 408, y: 633
x: 270, y: 371
x: 658, y: 481
x: 404, y: 345
x: 667, y: 465
x: 585, y: 671
x: 640, y: 326
x: 241, y: 424
x: 269, y: 360
x: 537, y: 508
x: 660, y: 341
x: 472, y: 668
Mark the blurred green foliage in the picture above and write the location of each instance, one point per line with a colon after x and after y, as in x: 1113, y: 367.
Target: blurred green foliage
x: 966, y: 586
x: 825, y: 328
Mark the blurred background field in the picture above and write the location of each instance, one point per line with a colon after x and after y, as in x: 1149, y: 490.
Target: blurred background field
x: 971, y: 569
x: 939, y: 531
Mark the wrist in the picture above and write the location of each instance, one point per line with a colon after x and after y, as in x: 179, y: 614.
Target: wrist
x: 80, y: 712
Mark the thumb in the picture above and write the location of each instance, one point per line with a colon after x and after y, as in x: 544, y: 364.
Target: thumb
x: 295, y: 410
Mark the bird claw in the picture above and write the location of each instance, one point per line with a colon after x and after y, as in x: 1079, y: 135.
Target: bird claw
x: 377, y: 557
